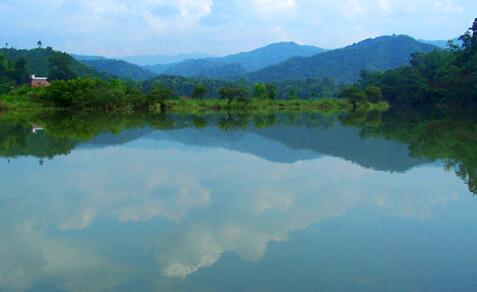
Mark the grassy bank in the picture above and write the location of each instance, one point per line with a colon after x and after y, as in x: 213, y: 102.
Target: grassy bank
x: 204, y: 106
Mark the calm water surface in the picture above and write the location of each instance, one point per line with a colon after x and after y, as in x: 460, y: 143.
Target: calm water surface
x: 283, y: 208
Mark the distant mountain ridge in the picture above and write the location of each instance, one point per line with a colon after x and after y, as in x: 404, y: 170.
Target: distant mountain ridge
x: 237, y: 64
x: 443, y: 44
x: 345, y: 65
x: 162, y: 59
x: 277, y: 62
x: 119, y: 68
x: 88, y: 57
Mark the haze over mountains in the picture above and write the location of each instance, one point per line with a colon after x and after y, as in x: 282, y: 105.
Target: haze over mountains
x: 119, y: 68
x: 147, y: 60
x: 237, y: 64
x: 277, y: 62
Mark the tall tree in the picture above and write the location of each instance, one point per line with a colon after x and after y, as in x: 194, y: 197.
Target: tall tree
x: 355, y: 96
x: 20, y: 73
x: 271, y: 91
x: 469, y: 38
x: 39, y: 44
x: 159, y: 94
x: 260, y: 91
x: 230, y: 93
x: 473, y: 29
x: 199, y: 91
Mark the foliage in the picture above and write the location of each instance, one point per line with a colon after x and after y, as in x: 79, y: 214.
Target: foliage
x: 200, y: 90
x: 259, y: 91
x: 159, y: 94
x: 310, y: 88
x: 38, y: 62
x: 270, y: 91
x: 439, y: 78
x: 60, y: 67
x: 86, y: 94
x: 432, y: 133
x: 11, y: 73
x: 230, y: 93
x: 374, y: 93
x: 355, y: 95
x: 263, y: 91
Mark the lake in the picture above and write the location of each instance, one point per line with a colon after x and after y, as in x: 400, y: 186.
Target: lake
x: 237, y: 203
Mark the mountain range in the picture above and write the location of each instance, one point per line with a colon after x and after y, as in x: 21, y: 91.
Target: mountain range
x: 280, y: 62
x: 147, y: 60
x: 119, y: 68
x: 345, y: 65
x: 237, y: 64
x: 284, y: 144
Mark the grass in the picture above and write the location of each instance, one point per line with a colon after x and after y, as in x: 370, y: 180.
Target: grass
x: 21, y: 102
x: 205, y: 106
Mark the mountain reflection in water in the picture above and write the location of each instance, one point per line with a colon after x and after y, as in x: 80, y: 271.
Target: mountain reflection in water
x: 234, y: 203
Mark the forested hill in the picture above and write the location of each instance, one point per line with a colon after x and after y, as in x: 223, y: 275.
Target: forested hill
x: 119, y: 68
x: 270, y: 55
x: 345, y: 65
x: 38, y: 62
x: 237, y: 64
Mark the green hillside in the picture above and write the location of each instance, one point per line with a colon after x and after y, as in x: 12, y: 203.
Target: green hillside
x: 345, y: 65
x: 37, y: 62
x: 442, y: 79
x: 119, y: 68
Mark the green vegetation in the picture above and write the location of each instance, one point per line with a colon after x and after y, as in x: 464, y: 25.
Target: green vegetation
x: 432, y: 133
x: 39, y: 61
x: 305, y: 89
x: 11, y: 73
x: 243, y: 104
x: 60, y: 67
x: 120, y: 69
x: 200, y: 90
x: 87, y: 94
x: 443, y: 79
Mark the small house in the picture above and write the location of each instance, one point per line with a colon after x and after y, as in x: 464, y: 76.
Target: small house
x: 39, y: 81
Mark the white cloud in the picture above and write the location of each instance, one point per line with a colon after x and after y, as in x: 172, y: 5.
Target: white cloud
x: 273, y: 6
x: 124, y: 27
x: 212, y: 213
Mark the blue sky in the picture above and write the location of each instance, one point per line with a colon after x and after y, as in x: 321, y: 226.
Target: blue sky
x: 131, y: 27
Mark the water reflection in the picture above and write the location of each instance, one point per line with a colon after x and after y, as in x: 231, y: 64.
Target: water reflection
x: 168, y: 210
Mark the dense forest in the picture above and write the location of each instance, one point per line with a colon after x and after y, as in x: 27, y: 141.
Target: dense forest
x: 444, y: 78
x: 304, y: 89
x: 40, y: 60
x: 11, y: 73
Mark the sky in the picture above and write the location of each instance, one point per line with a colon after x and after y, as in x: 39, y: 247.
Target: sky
x: 219, y: 27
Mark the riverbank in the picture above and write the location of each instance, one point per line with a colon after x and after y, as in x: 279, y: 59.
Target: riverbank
x: 204, y: 106
x: 31, y: 103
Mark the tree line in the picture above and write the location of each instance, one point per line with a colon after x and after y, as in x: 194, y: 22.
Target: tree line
x: 442, y: 78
